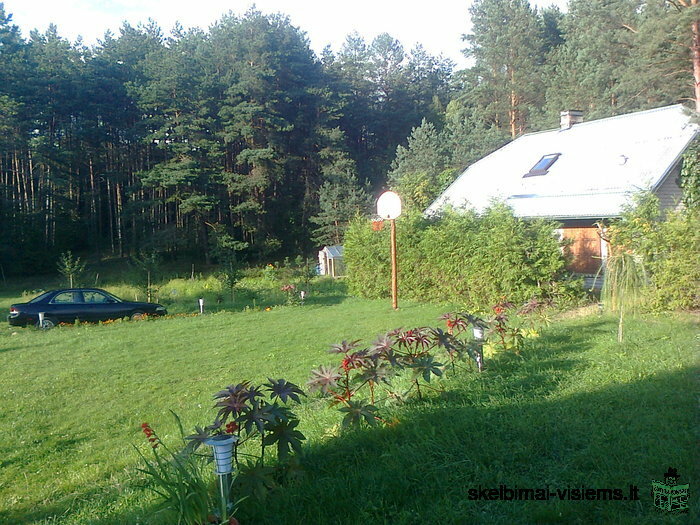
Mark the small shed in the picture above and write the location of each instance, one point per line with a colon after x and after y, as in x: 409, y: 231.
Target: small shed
x: 330, y: 261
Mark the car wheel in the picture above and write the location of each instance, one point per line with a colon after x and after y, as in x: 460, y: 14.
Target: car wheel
x: 138, y: 316
x: 49, y: 322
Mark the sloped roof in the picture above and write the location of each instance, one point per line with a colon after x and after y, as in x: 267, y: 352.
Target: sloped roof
x: 601, y: 164
x: 334, y: 252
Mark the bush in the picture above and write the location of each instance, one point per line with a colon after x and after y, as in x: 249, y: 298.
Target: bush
x: 675, y: 270
x: 668, y: 246
x: 473, y: 258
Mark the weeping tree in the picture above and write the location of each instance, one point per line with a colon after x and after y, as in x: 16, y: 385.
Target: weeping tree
x: 625, y: 280
x: 632, y: 242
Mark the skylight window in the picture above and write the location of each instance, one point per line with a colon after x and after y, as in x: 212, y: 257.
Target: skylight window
x: 543, y: 165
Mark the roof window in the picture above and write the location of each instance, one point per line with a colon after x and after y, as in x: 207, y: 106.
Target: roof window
x: 543, y: 165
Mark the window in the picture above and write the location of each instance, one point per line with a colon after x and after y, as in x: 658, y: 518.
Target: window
x: 543, y: 165
x: 96, y: 297
x: 67, y: 298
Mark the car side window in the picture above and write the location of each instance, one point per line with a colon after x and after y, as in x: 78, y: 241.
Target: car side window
x: 67, y: 298
x: 96, y: 298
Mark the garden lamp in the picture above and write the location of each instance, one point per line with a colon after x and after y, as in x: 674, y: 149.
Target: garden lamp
x: 223, y: 458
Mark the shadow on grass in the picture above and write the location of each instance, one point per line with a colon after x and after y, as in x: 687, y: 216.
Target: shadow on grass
x: 515, y: 425
x: 422, y: 470
x: 525, y: 423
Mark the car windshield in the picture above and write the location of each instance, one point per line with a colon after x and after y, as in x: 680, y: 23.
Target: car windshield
x: 40, y: 297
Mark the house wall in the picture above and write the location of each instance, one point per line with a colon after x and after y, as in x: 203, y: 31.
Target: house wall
x: 585, y: 248
x: 669, y: 191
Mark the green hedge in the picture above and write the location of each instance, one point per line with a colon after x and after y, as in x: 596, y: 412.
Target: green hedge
x: 475, y: 259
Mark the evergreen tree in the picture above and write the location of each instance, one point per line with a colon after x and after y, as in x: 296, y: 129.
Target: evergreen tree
x: 341, y: 199
x: 420, y: 170
x: 593, y: 70
x: 506, y: 44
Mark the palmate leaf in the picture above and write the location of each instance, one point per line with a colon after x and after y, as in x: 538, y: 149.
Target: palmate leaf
x: 256, y: 479
x: 233, y: 400
x: 232, y: 405
x: 425, y: 366
x: 357, y: 359
x: 375, y: 372
x: 256, y: 416
x: 277, y: 414
x: 344, y: 347
x: 382, y: 345
x: 232, y: 390
x: 442, y: 338
x: 358, y: 411
x: 474, y: 320
x: 197, y: 439
x: 284, y: 390
x: 286, y: 436
x: 324, y: 378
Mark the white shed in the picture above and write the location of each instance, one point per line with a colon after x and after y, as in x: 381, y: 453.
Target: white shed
x: 330, y: 261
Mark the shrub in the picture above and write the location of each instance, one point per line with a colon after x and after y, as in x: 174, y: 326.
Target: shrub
x: 675, y: 270
x: 468, y: 257
x: 667, y: 246
x: 420, y: 352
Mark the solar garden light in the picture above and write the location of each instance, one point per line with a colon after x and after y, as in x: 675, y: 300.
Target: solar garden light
x: 223, y: 458
x: 478, y: 332
x: 201, y: 305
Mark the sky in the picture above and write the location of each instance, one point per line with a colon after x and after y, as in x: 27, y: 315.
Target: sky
x: 438, y: 25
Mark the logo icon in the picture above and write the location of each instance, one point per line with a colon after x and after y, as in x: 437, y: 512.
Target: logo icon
x: 669, y: 495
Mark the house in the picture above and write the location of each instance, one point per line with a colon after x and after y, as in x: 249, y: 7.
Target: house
x: 581, y: 173
x: 330, y: 261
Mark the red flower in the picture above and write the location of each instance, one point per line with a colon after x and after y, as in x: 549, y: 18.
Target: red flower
x: 346, y: 364
x: 146, y: 429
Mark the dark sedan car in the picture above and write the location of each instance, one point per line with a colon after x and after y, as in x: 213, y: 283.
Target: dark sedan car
x: 83, y: 304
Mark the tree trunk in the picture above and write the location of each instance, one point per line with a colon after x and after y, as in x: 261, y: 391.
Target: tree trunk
x: 696, y: 62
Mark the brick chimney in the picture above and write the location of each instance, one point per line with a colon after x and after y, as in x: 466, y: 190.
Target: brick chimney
x: 570, y: 117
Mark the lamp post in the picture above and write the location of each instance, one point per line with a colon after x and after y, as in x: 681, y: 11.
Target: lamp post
x: 389, y: 208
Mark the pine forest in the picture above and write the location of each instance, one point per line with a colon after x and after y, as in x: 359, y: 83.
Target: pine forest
x: 176, y: 142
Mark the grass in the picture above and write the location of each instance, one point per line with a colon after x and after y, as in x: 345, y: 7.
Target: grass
x: 576, y: 409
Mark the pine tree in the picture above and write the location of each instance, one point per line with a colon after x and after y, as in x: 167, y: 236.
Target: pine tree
x: 507, y: 47
x: 418, y: 171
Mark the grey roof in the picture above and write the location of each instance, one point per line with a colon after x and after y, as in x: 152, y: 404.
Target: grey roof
x: 334, y: 252
x: 601, y: 164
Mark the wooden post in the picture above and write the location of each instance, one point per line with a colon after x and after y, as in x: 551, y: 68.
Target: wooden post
x: 394, y: 268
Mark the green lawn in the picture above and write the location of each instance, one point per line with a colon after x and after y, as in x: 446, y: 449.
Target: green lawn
x: 576, y: 409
